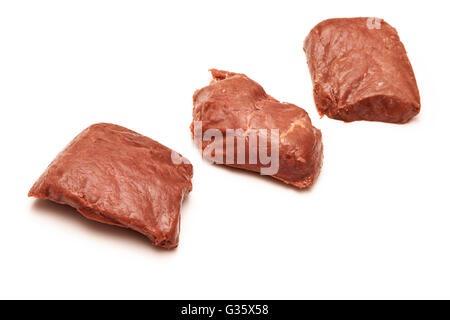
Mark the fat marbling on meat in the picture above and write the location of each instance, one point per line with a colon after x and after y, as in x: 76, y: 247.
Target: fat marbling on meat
x: 234, y: 101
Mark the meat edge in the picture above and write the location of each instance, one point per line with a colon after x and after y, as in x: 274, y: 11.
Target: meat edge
x: 91, y: 214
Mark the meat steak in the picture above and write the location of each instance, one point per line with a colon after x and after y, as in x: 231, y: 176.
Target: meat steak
x: 233, y: 101
x: 360, y: 71
x: 116, y: 176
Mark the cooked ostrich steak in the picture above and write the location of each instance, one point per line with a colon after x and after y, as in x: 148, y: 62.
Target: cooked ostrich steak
x: 116, y: 176
x: 261, y: 126
x: 360, y: 71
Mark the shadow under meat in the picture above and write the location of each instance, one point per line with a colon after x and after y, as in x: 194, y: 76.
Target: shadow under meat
x: 67, y: 213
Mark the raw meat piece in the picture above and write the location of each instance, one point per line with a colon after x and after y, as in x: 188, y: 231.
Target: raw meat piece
x: 116, y: 176
x: 233, y: 101
x: 360, y: 71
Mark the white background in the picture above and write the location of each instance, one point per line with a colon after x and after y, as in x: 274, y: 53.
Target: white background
x: 375, y: 225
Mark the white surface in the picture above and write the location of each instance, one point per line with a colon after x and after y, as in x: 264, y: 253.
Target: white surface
x: 375, y: 225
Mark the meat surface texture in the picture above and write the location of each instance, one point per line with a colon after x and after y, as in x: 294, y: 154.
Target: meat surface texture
x: 360, y: 71
x: 116, y: 176
x: 234, y: 101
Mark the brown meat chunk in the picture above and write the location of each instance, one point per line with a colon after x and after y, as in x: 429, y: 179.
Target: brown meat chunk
x: 116, y: 176
x: 360, y: 71
x: 234, y: 101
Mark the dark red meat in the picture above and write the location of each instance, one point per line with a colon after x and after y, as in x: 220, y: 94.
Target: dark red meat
x: 360, y: 71
x: 116, y: 176
x: 234, y: 101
